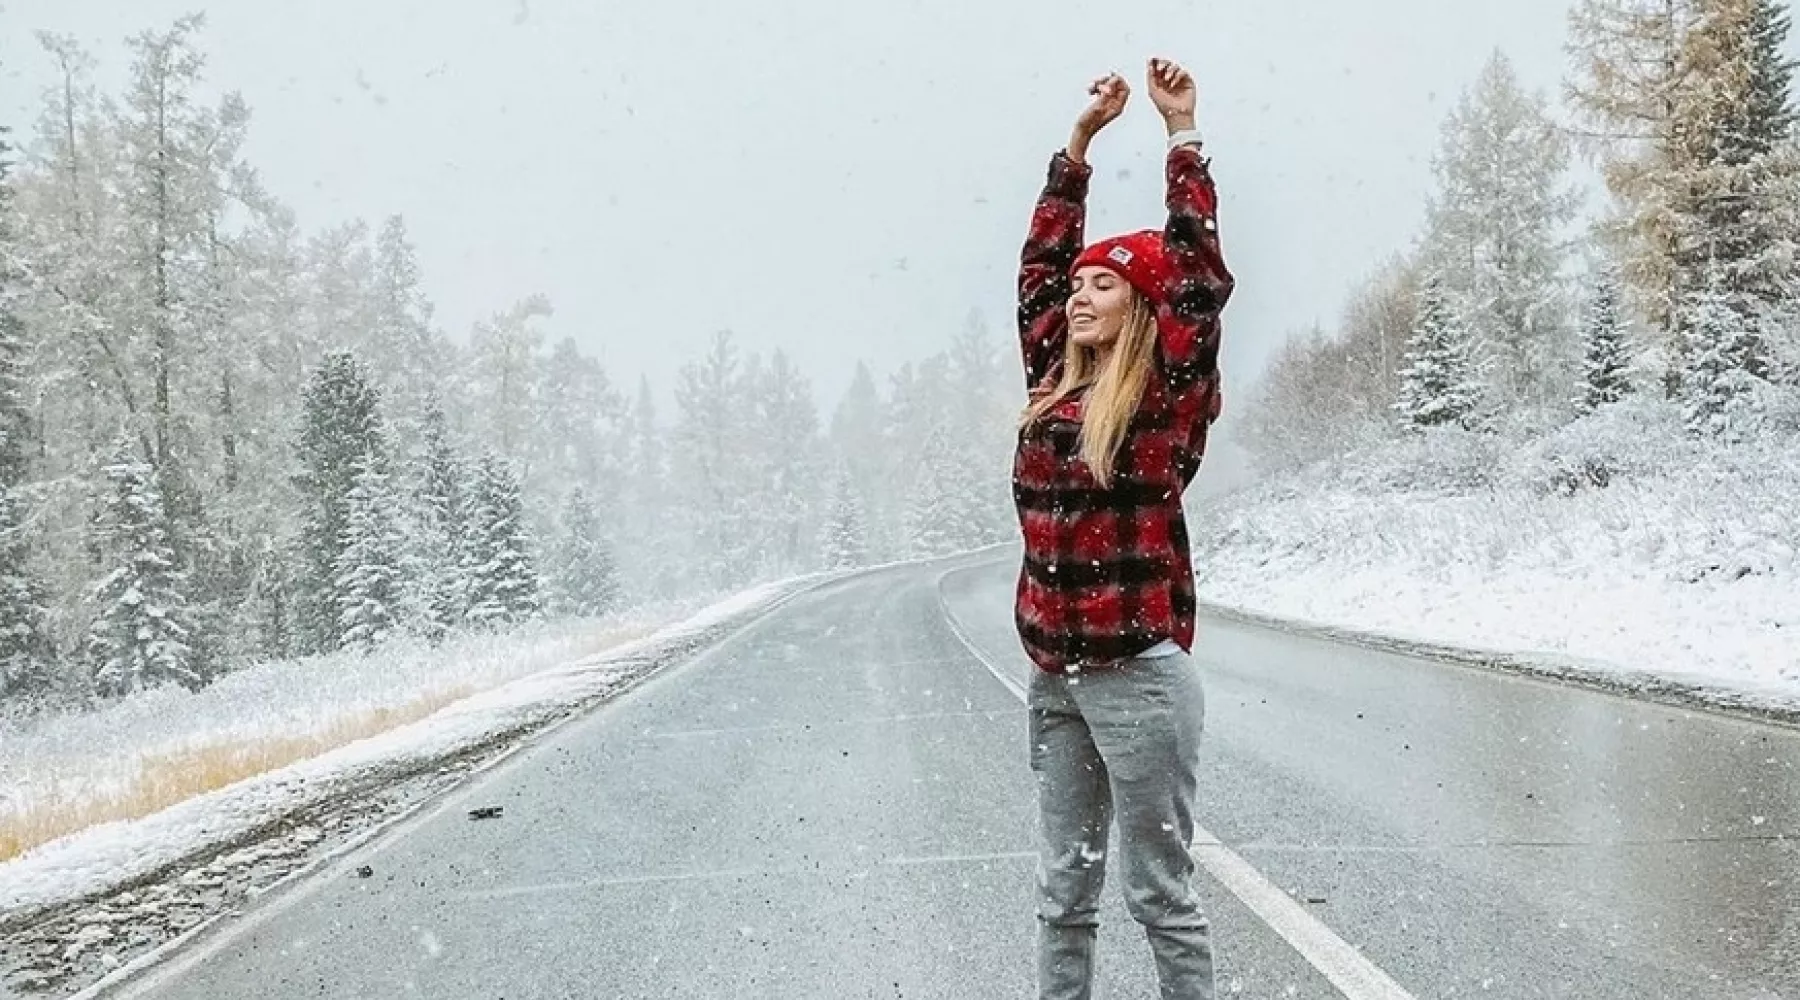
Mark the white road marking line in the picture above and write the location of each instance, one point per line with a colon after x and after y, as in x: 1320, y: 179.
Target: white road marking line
x: 1355, y: 976
x: 1337, y: 960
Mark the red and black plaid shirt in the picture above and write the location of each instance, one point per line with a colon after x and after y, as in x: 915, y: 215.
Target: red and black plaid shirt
x: 1107, y: 572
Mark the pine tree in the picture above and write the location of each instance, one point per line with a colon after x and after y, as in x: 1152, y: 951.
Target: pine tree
x: 587, y: 577
x: 140, y: 637
x: 404, y: 353
x: 1439, y: 386
x: 1768, y: 112
x: 1770, y: 118
x: 858, y: 437
x: 649, y: 567
x: 985, y: 408
x: 340, y: 299
x: 435, y: 547
x: 497, y: 561
x: 26, y: 649
x: 368, y: 588
x: 340, y: 426
x: 846, y: 532
x: 1493, y: 232
x: 579, y: 427
x: 947, y: 512
x: 1606, y: 367
x: 1694, y: 97
x: 783, y: 493
x: 1718, y: 388
x: 504, y: 367
x: 1737, y: 176
x: 711, y: 462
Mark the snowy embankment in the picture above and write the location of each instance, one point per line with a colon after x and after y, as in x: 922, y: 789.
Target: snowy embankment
x: 281, y: 737
x: 1615, y: 551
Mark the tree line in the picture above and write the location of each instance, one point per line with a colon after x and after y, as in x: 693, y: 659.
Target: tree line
x: 224, y: 440
x: 1511, y: 314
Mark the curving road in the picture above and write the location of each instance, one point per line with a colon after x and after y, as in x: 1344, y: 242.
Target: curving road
x: 834, y: 803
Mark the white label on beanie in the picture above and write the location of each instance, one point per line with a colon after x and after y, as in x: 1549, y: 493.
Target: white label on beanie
x: 1121, y: 255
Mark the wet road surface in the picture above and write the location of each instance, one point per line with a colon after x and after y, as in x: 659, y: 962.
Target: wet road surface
x: 835, y: 803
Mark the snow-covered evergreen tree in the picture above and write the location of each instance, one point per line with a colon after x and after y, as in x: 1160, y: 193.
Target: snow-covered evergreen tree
x: 405, y: 355
x: 710, y: 463
x: 647, y: 556
x: 1694, y: 98
x: 985, y: 403
x: 140, y: 636
x: 27, y: 651
x: 1494, y: 234
x: 497, y: 557
x: 1718, y: 389
x: 580, y: 426
x: 586, y: 577
x: 858, y: 437
x: 434, y: 548
x: 948, y: 511
x: 340, y: 428
x: 846, y: 530
x: 368, y: 588
x: 1606, y: 358
x: 1440, y: 384
x: 505, y: 366
x: 26, y: 648
x: 1735, y: 173
x: 783, y: 491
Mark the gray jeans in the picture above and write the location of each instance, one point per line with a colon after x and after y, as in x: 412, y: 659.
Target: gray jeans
x: 1120, y: 743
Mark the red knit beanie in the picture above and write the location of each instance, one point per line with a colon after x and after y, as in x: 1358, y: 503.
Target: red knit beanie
x: 1140, y: 258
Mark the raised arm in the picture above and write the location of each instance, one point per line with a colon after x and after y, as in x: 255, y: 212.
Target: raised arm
x: 1052, y: 245
x: 1188, y: 348
x: 1055, y: 238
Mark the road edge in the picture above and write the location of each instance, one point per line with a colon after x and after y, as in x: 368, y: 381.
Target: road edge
x: 1590, y: 675
x: 1605, y: 678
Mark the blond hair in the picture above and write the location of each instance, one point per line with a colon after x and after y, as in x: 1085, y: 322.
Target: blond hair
x: 1117, y: 387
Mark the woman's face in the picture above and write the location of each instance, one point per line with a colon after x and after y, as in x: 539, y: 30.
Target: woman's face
x: 1099, y: 302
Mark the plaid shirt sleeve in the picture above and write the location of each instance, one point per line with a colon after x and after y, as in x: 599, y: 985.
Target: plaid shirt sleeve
x: 1199, y: 284
x: 1051, y: 246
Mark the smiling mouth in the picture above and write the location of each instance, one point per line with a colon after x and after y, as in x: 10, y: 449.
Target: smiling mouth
x: 1081, y: 318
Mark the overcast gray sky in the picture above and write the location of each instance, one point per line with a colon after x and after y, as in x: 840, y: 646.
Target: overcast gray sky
x: 843, y: 179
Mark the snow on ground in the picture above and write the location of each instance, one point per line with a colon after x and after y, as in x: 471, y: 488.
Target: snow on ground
x: 1684, y: 565
x: 518, y: 679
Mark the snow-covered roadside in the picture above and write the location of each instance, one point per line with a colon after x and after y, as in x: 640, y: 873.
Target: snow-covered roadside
x: 94, y: 860
x: 62, y: 773
x: 1686, y: 585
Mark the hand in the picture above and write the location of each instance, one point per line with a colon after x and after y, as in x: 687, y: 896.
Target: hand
x: 1172, y: 91
x: 1110, y: 94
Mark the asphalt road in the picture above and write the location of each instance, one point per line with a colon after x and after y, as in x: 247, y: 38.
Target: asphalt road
x: 835, y: 803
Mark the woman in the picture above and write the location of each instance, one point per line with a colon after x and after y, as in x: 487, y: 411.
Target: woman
x: 1121, y: 344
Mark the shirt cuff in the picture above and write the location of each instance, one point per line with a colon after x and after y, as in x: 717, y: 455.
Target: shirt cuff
x: 1068, y: 178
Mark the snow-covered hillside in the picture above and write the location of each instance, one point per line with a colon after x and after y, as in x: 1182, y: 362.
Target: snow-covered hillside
x: 1617, y: 540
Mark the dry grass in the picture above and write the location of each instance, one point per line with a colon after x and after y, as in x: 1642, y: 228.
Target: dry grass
x: 166, y: 779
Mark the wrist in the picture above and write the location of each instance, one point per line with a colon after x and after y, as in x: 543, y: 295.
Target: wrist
x: 1180, y: 122
x: 1077, y: 148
